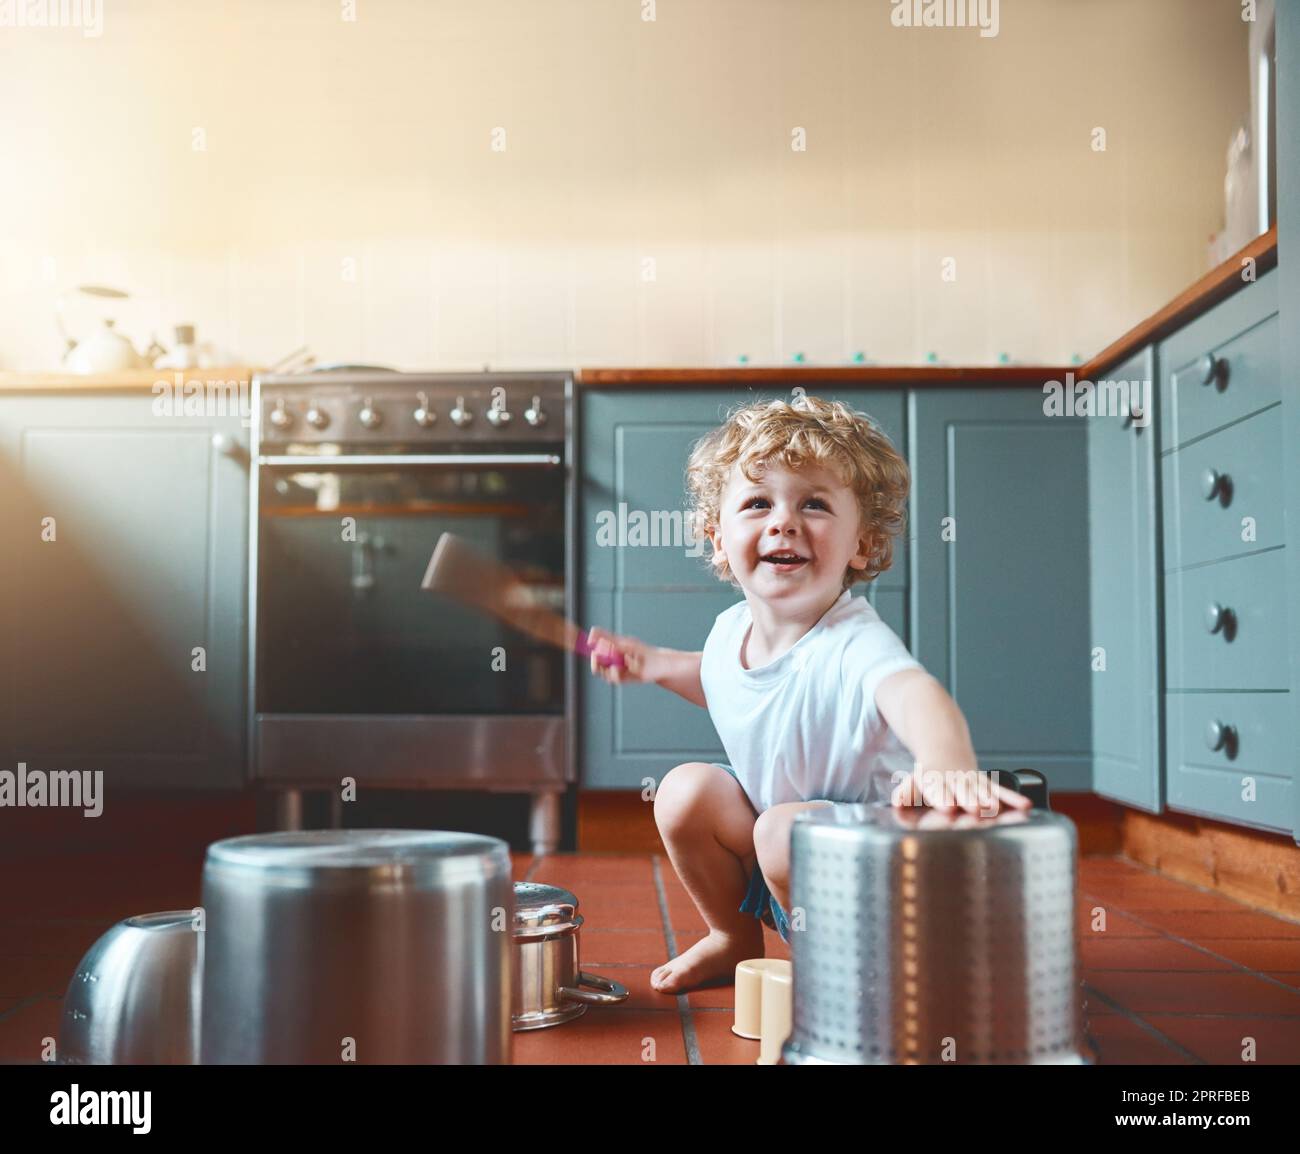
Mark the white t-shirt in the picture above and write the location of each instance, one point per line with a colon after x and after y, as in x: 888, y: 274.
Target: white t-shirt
x: 805, y: 727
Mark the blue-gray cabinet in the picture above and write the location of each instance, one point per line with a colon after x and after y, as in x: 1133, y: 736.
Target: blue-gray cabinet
x: 1288, y: 276
x: 649, y: 582
x: 1228, y: 677
x: 1127, y: 734
x: 125, y: 578
x: 999, y: 576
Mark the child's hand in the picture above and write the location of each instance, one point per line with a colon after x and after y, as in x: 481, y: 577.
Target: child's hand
x: 947, y: 791
x: 642, y: 664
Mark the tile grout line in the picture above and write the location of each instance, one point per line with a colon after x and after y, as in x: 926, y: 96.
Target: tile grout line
x: 1232, y: 962
x: 1131, y: 1016
x: 689, y: 1037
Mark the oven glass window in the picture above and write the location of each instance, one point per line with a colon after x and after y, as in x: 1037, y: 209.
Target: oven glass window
x: 343, y: 625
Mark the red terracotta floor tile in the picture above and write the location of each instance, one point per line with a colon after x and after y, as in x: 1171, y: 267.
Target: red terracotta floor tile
x: 1159, y: 895
x: 1209, y: 993
x: 1090, y: 913
x: 1102, y: 952
x: 1210, y: 926
x: 1290, y: 977
x: 1120, y: 1041
x: 22, y: 975
x: 718, y: 1046
x: 1092, y: 866
x: 619, y: 907
x: 622, y: 947
x: 609, y: 1038
x: 25, y: 1028
x: 1222, y: 1041
x: 1259, y: 953
x: 575, y: 871
x: 1093, y: 1004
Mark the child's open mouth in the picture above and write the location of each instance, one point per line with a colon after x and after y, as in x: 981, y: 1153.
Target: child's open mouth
x: 784, y: 562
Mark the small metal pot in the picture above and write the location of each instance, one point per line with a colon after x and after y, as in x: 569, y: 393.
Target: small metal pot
x: 548, y: 982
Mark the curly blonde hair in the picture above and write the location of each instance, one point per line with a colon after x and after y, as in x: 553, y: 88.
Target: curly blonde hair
x: 811, y: 431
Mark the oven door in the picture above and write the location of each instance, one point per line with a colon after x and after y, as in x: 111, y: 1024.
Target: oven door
x: 359, y: 668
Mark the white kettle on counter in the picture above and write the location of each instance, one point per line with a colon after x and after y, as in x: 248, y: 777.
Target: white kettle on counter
x: 105, y: 350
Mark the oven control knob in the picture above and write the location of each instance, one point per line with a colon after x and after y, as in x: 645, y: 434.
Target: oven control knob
x: 535, y: 416
x: 280, y: 417
x: 317, y: 418
x: 460, y: 415
x: 424, y: 416
x: 498, y: 417
x: 369, y: 416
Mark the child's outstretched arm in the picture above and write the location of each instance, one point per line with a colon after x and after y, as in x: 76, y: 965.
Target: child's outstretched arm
x: 929, y: 722
x: 675, y: 669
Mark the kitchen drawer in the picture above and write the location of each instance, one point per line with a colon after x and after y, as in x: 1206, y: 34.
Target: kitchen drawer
x: 1252, y: 731
x: 1240, y: 468
x: 1242, y: 335
x: 1247, y: 652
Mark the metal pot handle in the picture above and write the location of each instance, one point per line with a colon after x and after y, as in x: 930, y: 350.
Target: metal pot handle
x: 614, y: 993
x: 1039, y: 786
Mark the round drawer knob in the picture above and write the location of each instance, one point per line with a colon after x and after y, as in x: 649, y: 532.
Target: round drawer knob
x: 1132, y: 414
x: 1219, y: 736
x: 1211, y: 368
x: 1217, y: 617
x: 1213, y: 484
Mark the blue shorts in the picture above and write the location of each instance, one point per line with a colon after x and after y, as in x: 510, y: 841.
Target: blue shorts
x: 759, y: 901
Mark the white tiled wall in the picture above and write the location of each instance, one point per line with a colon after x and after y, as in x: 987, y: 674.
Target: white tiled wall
x: 648, y: 207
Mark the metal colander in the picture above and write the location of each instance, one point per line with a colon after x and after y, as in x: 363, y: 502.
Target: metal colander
x: 929, y: 943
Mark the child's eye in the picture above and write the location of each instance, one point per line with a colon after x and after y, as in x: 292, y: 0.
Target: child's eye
x: 811, y: 501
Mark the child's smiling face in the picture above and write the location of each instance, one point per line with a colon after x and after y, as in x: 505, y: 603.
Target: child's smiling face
x: 808, y: 512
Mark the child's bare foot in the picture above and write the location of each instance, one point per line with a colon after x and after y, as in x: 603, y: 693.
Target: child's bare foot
x: 711, y: 958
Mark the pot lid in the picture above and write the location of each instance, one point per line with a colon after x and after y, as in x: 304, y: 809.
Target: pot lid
x: 543, y: 907
x: 361, y: 856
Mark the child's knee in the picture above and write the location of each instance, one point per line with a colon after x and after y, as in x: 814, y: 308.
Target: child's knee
x: 680, y: 797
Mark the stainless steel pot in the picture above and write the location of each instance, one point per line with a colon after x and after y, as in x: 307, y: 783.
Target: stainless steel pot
x: 373, y: 946
x: 550, y: 987
x: 933, y: 942
x: 135, y: 996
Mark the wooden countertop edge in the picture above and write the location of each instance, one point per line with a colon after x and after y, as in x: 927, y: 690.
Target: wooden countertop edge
x: 1197, y: 298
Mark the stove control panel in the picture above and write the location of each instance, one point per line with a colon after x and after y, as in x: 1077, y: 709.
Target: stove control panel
x: 425, y: 408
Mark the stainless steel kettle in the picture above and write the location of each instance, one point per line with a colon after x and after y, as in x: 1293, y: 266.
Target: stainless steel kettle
x: 135, y: 996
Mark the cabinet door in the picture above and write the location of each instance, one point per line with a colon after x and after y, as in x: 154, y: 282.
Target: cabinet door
x: 1126, y: 699
x: 999, y: 590
x: 635, y: 446
x: 124, y: 636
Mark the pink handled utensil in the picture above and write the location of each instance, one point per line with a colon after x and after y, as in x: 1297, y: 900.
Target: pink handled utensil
x: 460, y: 571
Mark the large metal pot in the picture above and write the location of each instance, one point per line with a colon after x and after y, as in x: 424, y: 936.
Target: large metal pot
x: 927, y: 941
x: 550, y: 986
x: 373, y: 946
x: 134, y: 997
